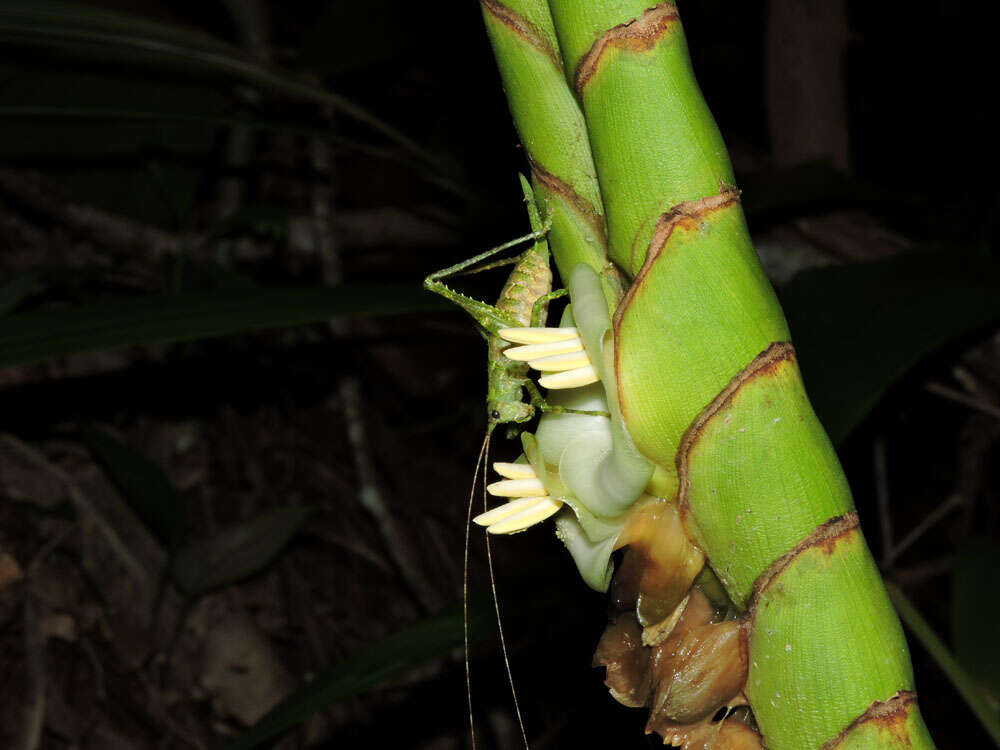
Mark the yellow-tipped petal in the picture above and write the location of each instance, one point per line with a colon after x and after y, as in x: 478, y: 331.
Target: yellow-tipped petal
x: 571, y: 378
x: 531, y: 515
x: 506, y: 510
x: 537, y: 335
x: 561, y: 362
x: 534, y: 351
x: 514, y: 471
x: 517, y: 488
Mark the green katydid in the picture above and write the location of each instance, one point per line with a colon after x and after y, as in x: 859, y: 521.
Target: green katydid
x: 523, y: 303
x: 522, y: 306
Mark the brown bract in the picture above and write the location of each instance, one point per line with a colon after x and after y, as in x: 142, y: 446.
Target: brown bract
x: 890, y: 716
x: 761, y: 366
x: 580, y: 205
x: 522, y: 27
x: 661, y: 562
x: 824, y: 537
x: 698, y: 668
x: 728, y: 734
x: 638, y: 35
x: 621, y: 652
x: 688, y: 214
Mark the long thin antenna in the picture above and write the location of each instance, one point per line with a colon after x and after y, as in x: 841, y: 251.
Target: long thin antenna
x: 483, y: 451
x: 496, y: 606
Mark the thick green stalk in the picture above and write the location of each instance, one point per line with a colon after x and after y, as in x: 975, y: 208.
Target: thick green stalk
x: 656, y: 144
x: 552, y: 131
x: 710, y: 391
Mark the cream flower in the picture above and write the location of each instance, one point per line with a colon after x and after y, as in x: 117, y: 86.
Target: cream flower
x: 557, y: 351
x: 531, y: 502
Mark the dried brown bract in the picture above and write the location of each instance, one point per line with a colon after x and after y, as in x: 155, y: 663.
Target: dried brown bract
x: 627, y: 661
x: 698, y: 667
x: 660, y: 564
x: 728, y: 734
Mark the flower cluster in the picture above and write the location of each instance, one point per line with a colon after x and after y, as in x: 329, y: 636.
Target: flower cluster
x: 531, y: 504
x: 558, y: 352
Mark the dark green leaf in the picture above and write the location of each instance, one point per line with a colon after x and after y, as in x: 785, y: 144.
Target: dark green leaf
x: 14, y: 292
x: 33, y: 336
x: 50, y: 119
x: 971, y: 692
x: 143, y: 484
x: 76, y: 29
x: 235, y: 553
x: 859, y: 328
x: 975, y: 612
x: 370, y: 667
x: 143, y: 168
x: 537, y: 596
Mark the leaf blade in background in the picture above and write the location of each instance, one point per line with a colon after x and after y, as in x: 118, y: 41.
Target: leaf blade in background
x: 36, y: 335
x: 974, y: 613
x: 536, y: 597
x: 142, y: 483
x: 971, y: 693
x: 369, y: 667
x: 859, y: 328
x: 17, y: 289
x: 71, y: 27
x: 235, y: 553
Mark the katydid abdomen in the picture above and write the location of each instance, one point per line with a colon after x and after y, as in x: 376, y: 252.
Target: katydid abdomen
x: 529, y: 282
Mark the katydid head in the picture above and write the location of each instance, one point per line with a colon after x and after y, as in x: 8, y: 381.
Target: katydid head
x: 509, y: 412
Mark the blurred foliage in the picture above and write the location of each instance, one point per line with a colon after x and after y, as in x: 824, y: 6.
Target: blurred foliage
x: 196, y: 567
x: 234, y: 553
x: 15, y: 290
x: 40, y: 334
x: 143, y: 485
x: 124, y: 52
x: 860, y: 328
x: 973, y: 630
x: 371, y: 667
x: 150, y: 171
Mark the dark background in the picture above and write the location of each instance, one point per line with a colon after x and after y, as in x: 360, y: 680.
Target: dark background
x: 861, y: 134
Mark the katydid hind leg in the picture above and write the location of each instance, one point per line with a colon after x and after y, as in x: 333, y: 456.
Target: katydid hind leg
x: 489, y: 317
x: 485, y: 314
x: 464, y: 265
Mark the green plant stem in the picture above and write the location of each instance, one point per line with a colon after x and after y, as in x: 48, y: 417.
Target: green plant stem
x: 552, y: 130
x: 709, y: 387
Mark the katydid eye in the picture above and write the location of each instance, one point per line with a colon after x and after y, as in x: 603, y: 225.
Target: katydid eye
x: 495, y: 414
